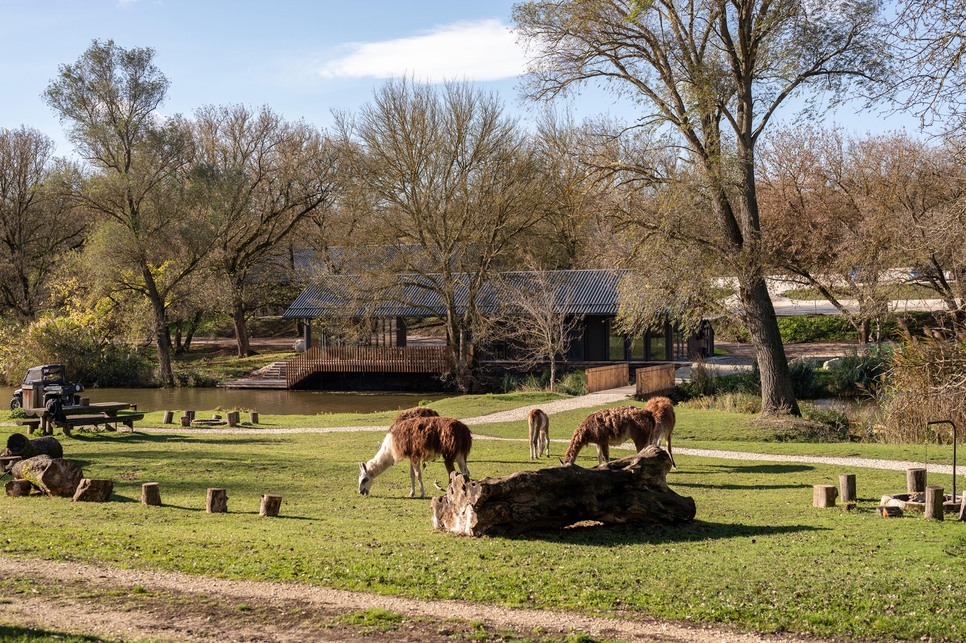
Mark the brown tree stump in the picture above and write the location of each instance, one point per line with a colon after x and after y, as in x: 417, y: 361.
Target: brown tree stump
x: 271, y: 503
x: 823, y: 495
x: 53, y: 476
x: 915, y: 480
x: 217, y: 501
x: 253, y: 417
x: 94, y: 490
x: 168, y: 417
x: 185, y: 420
x: 151, y: 494
x: 17, y: 488
x: 232, y: 417
x: 934, y: 503
x: 847, y: 489
x: 629, y: 490
x: 19, y: 444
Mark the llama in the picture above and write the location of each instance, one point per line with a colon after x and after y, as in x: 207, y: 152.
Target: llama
x: 415, y: 412
x: 612, y: 427
x: 662, y: 408
x: 421, y: 439
x: 538, y: 425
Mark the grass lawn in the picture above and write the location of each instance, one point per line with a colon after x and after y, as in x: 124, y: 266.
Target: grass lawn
x: 758, y: 555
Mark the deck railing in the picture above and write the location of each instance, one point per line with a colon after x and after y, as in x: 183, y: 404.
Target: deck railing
x: 604, y: 378
x: 654, y: 379
x: 368, y: 359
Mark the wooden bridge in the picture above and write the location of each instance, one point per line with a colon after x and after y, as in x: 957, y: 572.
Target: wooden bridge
x: 368, y: 359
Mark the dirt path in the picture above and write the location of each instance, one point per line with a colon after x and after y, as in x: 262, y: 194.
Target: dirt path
x: 122, y: 604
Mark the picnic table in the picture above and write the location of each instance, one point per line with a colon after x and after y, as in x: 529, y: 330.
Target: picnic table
x: 108, y: 414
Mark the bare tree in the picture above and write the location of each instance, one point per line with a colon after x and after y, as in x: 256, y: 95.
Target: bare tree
x: 450, y: 184
x: 38, y: 220
x: 261, y: 178
x: 715, y: 73
x: 137, y: 192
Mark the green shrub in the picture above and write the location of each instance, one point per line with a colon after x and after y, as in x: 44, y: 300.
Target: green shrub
x: 797, y: 329
x: 805, y: 383
x: 572, y: 383
x: 859, y: 374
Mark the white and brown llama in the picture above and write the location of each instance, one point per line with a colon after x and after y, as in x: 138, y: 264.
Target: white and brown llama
x: 538, y: 428
x: 662, y: 408
x: 421, y: 440
x: 611, y: 427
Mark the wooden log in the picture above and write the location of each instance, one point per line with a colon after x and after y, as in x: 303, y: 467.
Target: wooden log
x: 168, y: 417
x: 847, y: 489
x: 629, y: 490
x: 823, y: 495
x: 19, y: 444
x: 886, y: 511
x: 185, y: 420
x: 151, y: 494
x: 934, y: 503
x: 915, y: 480
x: 217, y: 501
x: 191, y: 415
x: 17, y: 488
x: 85, y: 401
x: 271, y: 503
x: 53, y: 476
x: 253, y: 417
x: 232, y: 417
x: 95, y: 490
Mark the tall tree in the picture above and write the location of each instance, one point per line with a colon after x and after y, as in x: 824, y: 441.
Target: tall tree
x: 109, y: 100
x: 38, y: 220
x: 450, y: 183
x: 261, y: 177
x: 715, y: 73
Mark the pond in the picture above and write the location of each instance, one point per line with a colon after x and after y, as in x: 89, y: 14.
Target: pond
x: 270, y: 401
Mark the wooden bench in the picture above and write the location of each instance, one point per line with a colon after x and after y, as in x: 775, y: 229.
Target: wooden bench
x: 32, y: 424
x: 71, y: 421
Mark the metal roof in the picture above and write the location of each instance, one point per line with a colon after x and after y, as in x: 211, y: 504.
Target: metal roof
x: 578, y: 292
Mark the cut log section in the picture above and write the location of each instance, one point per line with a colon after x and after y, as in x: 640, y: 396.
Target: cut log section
x: 271, y: 503
x: 823, y: 495
x: 53, y: 476
x: 17, y: 488
x: 629, y: 490
x: 151, y: 494
x: 94, y: 490
x: 20, y: 444
x: 217, y: 501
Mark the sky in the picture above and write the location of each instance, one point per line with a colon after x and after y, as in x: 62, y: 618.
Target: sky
x: 305, y: 59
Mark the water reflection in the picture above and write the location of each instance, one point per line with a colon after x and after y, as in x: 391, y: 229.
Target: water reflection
x: 263, y: 401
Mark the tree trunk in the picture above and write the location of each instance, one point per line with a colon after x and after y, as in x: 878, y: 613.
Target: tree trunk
x: 94, y: 490
x: 162, y: 333
x: 629, y: 490
x: 777, y: 396
x: 53, y: 476
x: 192, y: 327
x: 241, y: 326
x: 19, y: 444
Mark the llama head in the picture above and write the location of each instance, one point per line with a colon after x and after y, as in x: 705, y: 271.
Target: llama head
x: 365, y: 479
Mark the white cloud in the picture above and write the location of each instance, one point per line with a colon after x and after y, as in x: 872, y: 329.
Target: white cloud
x: 481, y: 51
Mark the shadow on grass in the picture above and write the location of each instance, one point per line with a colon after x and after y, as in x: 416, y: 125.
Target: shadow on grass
x: 776, y: 469
x: 610, y: 535
x: 166, y: 438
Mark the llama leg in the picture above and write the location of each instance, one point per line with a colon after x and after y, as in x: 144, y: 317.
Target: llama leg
x: 465, y: 470
x: 415, y: 473
x: 667, y: 438
x: 603, y: 451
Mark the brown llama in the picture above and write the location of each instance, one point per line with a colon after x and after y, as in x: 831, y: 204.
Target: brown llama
x: 609, y: 427
x: 538, y: 428
x: 421, y: 440
x: 662, y: 408
x: 415, y: 412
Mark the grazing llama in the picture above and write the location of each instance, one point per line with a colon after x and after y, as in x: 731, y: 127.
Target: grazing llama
x: 415, y: 412
x: 609, y: 427
x: 421, y: 439
x: 662, y: 408
x: 538, y: 424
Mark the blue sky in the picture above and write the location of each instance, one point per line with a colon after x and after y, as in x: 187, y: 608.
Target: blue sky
x: 304, y: 59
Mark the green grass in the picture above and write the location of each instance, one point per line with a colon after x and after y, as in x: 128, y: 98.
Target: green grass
x: 757, y: 556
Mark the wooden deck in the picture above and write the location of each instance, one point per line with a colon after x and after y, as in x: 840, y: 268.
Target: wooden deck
x: 368, y: 359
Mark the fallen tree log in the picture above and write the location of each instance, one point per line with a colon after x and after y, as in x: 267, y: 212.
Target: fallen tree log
x: 53, y: 476
x: 21, y: 445
x: 630, y: 490
x: 89, y: 490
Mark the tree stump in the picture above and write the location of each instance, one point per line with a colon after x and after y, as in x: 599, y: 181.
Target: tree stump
x: 232, y: 417
x: 191, y: 415
x: 17, y: 488
x: 85, y: 401
x: 186, y: 420
x: 934, y: 503
x: 217, y: 501
x: 823, y: 495
x: 915, y: 480
x: 253, y: 417
x: 94, y: 490
x: 53, y: 476
x: 168, y: 417
x: 151, y: 494
x: 19, y: 444
x: 847, y: 489
x: 271, y: 503
x: 629, y: 490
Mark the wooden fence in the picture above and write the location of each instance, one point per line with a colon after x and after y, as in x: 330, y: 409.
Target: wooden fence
x: 368, y: 359
x: 654, y: 379
x: 603, y: 378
